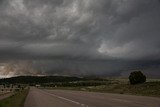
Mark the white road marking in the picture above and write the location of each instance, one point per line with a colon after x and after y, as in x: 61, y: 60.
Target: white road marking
x: 63, y: 98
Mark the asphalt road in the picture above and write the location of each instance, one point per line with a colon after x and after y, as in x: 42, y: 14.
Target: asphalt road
x: 63, y: 98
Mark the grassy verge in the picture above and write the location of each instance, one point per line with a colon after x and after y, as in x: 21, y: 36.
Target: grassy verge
x: 146, y: 89
x: 151, y: 88
x: 16, y: 100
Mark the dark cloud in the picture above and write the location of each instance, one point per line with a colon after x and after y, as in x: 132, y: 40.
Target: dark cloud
x: 80, y: 36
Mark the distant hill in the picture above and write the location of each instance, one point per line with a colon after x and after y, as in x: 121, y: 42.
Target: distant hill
x: 38, y: 79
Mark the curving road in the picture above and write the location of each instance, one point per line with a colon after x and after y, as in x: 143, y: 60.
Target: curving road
x: 63, y: 98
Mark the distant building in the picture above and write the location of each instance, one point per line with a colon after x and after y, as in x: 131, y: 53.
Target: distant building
x: 37, y: 85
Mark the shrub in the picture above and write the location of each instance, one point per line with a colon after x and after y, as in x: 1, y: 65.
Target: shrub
x: 137, y: 77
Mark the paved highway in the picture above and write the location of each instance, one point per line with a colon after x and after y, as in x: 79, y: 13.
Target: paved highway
x: 63, y: 98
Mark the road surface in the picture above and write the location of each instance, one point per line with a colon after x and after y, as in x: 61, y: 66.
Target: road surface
x: 64, y: 98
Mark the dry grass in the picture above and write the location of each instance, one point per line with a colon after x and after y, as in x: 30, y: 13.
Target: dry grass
x: 16, y: 100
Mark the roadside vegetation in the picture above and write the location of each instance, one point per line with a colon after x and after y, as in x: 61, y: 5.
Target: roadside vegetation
x: 137, y: 77
x: 135, y: 84
x: 119, y: 86
x: 16, y: 99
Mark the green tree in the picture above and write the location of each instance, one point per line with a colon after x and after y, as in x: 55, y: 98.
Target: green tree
x: 137, y: 77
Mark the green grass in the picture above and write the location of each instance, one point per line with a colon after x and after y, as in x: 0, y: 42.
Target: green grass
x: 145, y: 89
x: 16, y: 100
x: 150, y: 88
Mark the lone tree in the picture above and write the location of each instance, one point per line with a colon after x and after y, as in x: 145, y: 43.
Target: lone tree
x: 137, y: 77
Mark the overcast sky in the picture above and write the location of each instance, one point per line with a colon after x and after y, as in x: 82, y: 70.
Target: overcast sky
x: 79, y: 37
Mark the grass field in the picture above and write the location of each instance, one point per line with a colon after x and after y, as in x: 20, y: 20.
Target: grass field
x: 121, y: 86
x: 16, y: 100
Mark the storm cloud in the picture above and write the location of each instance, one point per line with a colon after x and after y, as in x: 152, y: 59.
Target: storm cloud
x: 80, y: 36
